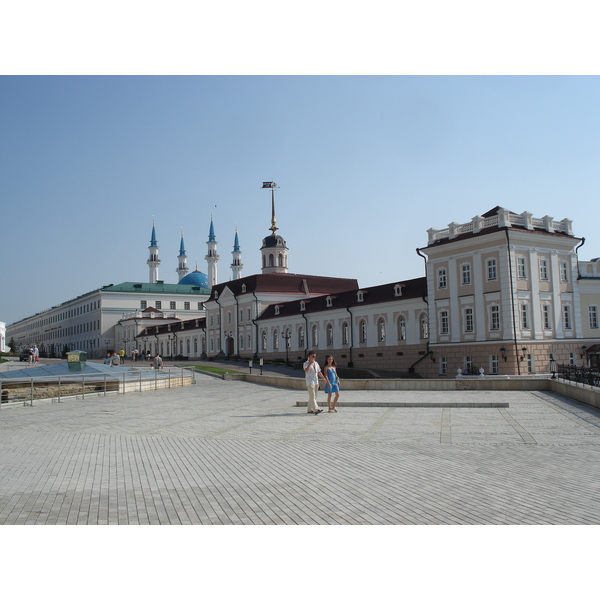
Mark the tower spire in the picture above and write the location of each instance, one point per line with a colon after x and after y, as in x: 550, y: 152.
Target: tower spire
x: 153, y: 261
x: 274, y: 251
x: 182, y: 268
x: 212, y: 257
x: 236, y: 264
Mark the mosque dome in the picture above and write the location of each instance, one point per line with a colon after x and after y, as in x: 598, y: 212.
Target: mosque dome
x: 274, y: 241
x: 195, y: 278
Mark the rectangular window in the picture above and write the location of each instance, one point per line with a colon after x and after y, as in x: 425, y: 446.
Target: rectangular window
x: 199, y: 305
x: 468, y: 320
x: 466, y: 274
x: 442, y: 281
x: 158, y: 304
x: 143, y: 304
x: 249, y: 314
x: 468, y: 364
x: 241, y: 315
x: 172, y: 305
x: 494, y: 369
x: 521, y: 270
x: 443, y: 366
x: 444, y: 324
x: 572, y: 359
x: 186, y: 306
x: 543, y: 269
x: 530, y: 363
x: 492, y: 269
x: 524, y: 315
x: 564, y: 271
x: 567, y: 317
x: 546, y: 316
x: 593, y: 316
x: 495, y: 318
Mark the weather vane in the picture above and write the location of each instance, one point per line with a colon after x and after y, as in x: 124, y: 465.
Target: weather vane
x: 272, y: 186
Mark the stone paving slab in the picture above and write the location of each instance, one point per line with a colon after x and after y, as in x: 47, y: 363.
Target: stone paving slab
x: 229, y: 452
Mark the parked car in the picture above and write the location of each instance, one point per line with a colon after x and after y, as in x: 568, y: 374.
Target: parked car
x: 24, y: 356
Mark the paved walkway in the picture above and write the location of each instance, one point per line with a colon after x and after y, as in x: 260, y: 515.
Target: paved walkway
x: 229, y: 452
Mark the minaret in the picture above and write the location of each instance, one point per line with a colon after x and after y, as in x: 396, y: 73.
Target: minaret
x: 236, y: 264
x: 153, y: 261
x: 274, y: 251
x: 182, y: 269
x: 212, y: 257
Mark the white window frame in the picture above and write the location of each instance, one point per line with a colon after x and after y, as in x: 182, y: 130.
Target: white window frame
x: 444, y: 322
x: 524, y: 315
x: 567, y: 321
x: 543, y: 269
x: 442, y: 279
x: 564, y: 271
x: 468, y: 319
x: 494, y: 317
x: 593, y: 316
x: 491, y: 269
x: 381, y: 329
x: 465, y: 270
x: 546, y: 317
x: 401, y: 328
x: 521, y: 267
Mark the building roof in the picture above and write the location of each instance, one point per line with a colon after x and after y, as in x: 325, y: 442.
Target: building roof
x: 156, y: 288
x: 286, y: 283
x: 409, y: 289
x: 177, y: 327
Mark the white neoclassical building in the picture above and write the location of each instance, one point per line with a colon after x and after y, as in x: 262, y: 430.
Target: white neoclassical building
x: 3, y: 341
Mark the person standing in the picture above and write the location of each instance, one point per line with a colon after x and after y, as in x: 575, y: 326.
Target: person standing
x: 115, y: 360
x: 122, y: 356
x: 36, y: 353
x: 158, y: 362
x: 31, y: 355
x: 332, y: 384
x: 313, y: 372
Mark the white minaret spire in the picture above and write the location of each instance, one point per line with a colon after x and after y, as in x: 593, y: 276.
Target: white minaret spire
x: 236, y: 264
x: 153, y: 261
x: 212, y: 257
x: 182, y: 268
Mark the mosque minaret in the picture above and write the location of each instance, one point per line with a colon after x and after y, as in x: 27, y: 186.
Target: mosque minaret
x: 236, y: 263
x: 212, y: 257
x: 153, y: 261
x: 182, y: 268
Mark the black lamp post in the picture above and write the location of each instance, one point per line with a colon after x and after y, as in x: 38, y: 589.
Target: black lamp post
x: 287, y: 336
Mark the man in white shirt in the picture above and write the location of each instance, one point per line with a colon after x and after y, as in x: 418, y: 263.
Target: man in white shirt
x: 313, y: 372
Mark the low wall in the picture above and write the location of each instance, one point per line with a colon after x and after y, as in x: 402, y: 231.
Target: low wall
x: 583, y: 394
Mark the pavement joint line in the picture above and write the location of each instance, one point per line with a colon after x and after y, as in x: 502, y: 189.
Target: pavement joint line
x: 446, y: 428
x: 376, y: 426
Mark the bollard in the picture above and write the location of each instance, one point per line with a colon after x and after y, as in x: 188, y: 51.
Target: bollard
x: 59, y: 389
x: 105, y: 385
x: 83, y: 387
x: 140, y: 380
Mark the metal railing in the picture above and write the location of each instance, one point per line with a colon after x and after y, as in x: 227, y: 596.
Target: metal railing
x: 27, y: 389
x: 583, y: 375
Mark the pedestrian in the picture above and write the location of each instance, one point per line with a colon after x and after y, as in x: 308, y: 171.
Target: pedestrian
x: 36, y: 353
x: 107, y: 359
x: 149, y: 356
x: 158, y: 363
x: 332, y: 384
x: 31, y: 355
x: 122, y: 356
x: 115, y: 360
x: 313, y: 372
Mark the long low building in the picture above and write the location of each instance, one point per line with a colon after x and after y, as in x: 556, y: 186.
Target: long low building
x: 89, y: 322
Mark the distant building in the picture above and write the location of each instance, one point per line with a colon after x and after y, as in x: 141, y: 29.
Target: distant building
x: 3, y: 342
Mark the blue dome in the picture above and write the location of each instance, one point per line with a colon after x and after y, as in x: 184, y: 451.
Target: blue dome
x: 195, y: 278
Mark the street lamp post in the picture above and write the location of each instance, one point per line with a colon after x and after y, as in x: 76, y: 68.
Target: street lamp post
x: 286, y: 336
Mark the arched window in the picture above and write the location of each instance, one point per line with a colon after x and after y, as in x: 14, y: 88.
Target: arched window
x: 301, y: 337
x: 423, y: 326
x: 363, y: 331
x: 330, y: 334
x: 241, y: 342
x: 381, y: 329
x: 401, y: 328
x: 315, y: 336
x: 280, y: 260
x: 188, y: 346
x: 345, y: 333
x: 264, y: 340
x: 271, y: 260
x: 275, y: 340
x: 195, y: 346
x: 264, y: 261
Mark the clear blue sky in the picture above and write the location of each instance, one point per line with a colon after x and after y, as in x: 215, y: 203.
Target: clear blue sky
x: 365, y: 165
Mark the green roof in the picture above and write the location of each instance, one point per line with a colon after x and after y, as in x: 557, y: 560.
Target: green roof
x: 156, y: 288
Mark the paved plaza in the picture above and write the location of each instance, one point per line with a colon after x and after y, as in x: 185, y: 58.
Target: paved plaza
x: 231, y: 452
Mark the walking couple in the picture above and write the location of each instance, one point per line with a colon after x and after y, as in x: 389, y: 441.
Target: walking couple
x: 328, y: 375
